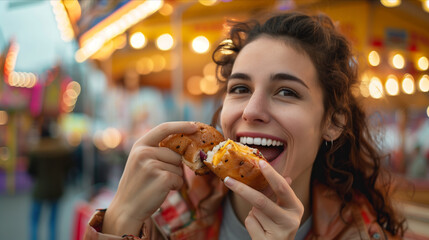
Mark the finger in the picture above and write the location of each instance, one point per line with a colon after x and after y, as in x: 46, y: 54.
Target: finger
x: 286, y: 197
x: 157, y: 134
x: 254, y: 227
x: 153, y: 165
x: 168, y: 156
x: 254, y: 197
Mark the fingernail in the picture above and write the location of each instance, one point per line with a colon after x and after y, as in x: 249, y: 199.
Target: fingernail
x: 289, y: 180
x: 229, y: 181
x: 262, y: 164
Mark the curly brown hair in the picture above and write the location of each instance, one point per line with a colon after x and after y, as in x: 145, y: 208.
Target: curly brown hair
x: 352, y: 162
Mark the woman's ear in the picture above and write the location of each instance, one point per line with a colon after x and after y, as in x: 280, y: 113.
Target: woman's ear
x: 332, y: 131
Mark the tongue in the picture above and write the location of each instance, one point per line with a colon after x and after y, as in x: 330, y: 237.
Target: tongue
x: 270, y: 153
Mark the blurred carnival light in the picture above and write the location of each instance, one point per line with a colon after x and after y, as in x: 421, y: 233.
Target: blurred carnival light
x: 10, y: 61
x: 200, y: 44
x: 392, y: 85
x: 111, y: 137
x: 375, y: 88
x: 114, y: 25
x: 22, y: 79
x: 390, y: 3
x: 144, y: 66
x: 63, y: 21
x: 70, y: 96
x: 424, y: 83
x: 209, y: 69
x: 166, y: 9
x: 74, y: 138
x: 408, y: 84
x: 165, y: 42
x: 425, y: 5
x: 98, y: 140
x: 423, y: 63
x: 363, y: 87
x: 138, y: 40
x: 398, y: 61
x: 209, y: 85
x: 208, y: 2
x: 374, y: 58
x: 193, y: 85
x: 159, y: 62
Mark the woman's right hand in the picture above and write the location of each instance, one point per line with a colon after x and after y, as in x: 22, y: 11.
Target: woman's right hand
x: 149, y: 175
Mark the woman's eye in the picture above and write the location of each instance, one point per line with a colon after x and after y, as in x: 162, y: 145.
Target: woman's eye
x: 239, y: 89
x: 285, y: 92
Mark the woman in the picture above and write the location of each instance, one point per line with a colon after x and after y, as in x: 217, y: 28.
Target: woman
x: 288, y: 80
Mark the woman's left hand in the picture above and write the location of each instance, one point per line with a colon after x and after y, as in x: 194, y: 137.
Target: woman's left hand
x: 269, y: 219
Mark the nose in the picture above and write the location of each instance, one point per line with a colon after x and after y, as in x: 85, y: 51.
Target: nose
x: 257, y: 109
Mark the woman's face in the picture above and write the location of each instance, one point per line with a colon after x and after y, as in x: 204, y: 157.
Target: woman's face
x: 274, y: 102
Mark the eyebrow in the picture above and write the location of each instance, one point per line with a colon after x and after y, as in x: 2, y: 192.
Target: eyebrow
x: 275, y: 77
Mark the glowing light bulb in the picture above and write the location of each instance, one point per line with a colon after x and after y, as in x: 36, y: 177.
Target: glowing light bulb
x: 392, y: 85
x: 398, y: 61
x: 423, y: 63
x: 390, y: 3
x: 425, y: 5
x: 165, y: 42
x: 375, y: 88
x: 408, y: 84
x: 200, y: 44
x: 424, y: 83
x: 137, y: 40
x: 374, y: 58
x: 207, y: 2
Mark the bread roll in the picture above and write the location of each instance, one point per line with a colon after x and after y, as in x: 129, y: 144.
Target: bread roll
x: 194, y: 147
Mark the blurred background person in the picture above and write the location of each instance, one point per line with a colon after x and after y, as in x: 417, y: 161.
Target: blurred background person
x: 50, y: 161
x: 418, y: 166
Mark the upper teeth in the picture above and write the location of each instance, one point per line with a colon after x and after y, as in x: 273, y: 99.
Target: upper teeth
x: 260, y: 141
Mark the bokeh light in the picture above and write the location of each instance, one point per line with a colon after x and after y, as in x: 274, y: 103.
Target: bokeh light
x: 158, y: 62
x: 392, y: 85
x: 144, y: 66
x: 408, y: 84
x: 165, y: 42
x: 423, y: 63
x: 137, y: 40
x: 209, y: 85
x: 166, y: 9
x: 374, y: 58
x: 424, y: 83
x: 398, y: 61
x: 208, y: 2
x: 390, y: 3
x: 375, y: 88
x: 193, y: 85
x: 200, y: 44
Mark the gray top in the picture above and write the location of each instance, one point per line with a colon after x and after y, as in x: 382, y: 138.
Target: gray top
x: 231, y: 227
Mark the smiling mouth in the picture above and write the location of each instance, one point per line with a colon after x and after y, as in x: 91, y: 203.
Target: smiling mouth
x: 270, y: 148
